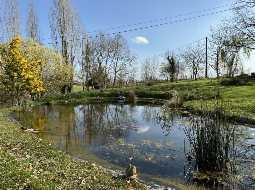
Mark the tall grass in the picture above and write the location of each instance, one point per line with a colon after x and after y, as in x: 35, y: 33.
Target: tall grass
x: 211, y: 137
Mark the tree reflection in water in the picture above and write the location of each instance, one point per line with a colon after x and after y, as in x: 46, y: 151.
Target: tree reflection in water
x: 103, y: 124
x: 166, y: 118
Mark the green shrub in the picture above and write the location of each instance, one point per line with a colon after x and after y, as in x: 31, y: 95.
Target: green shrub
x: 235, y: 81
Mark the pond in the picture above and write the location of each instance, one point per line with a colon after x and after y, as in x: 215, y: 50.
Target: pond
x: 160, y: 144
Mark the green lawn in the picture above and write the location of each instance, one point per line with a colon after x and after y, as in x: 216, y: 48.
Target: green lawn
x: 77, y: 88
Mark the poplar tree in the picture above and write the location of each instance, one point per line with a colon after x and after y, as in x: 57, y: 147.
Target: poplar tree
x: 32, y: 23
x: 11, y: 19
x: 65, y: 31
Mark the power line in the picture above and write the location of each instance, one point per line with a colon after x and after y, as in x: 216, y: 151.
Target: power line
x: 164, y: 18
x: 168, y: 22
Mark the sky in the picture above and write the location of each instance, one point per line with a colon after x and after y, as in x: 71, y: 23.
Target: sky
x: 100, y: 15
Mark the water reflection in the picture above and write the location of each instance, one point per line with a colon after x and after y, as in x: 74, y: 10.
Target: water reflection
x: 159, y: 142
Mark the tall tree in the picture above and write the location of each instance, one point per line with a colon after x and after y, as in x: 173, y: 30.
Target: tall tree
x: 32, y: 23
x: 206, y: 57
x: 150, y: 69
x: 85, y: 62
x: 108, y: 59
x: 193, y: 57
x: 11, y: 19
x: 65, y: 31
x: 1, y: 21
x: 217, y: 40
x: 121, y: 58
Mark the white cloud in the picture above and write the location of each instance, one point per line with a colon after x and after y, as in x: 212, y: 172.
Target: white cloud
x: 141, y: 40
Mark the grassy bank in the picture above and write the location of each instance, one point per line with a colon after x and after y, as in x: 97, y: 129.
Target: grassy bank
x: 27, y: 162
x: 239, y: 100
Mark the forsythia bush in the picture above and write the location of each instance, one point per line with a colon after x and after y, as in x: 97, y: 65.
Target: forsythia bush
x: 20, y: 76
x: 28, y: 69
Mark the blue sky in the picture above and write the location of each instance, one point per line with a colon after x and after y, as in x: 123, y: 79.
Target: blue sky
x: 104, y: 14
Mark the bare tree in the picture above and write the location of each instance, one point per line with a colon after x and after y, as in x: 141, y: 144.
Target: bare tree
x: 132, y: 74
x: 193, y: 59
x: 110, y: 59
x: 150, y: 69
x: 101, y: 58
x: 32, y: 23
x: 121, y: 58
x: 83, y: 61
x: 11, y: 19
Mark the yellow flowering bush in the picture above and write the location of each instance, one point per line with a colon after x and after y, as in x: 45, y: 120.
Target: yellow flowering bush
x: 28, y: 69
x: 20, y: 75
x: 55, y: 73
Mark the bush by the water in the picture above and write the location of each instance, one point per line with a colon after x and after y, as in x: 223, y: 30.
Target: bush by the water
x: 132, y: 97
x: 235, y: 81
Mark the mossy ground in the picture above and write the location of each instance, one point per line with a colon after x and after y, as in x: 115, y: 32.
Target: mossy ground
x: 27, y: 162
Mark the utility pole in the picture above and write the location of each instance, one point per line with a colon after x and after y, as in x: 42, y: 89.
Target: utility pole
x: 206, y: 57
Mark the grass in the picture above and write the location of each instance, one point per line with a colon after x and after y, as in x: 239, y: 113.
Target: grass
x: 240, y: 99
x: 27, y: 162
x: 77, y: 88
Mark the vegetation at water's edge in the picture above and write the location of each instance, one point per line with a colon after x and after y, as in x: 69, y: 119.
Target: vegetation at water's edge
x: 239, y: 100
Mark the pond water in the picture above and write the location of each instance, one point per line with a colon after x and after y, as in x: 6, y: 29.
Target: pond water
x: 166, y: 145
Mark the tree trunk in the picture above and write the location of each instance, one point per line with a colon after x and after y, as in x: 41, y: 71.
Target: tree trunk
x: 217, y: 64
x: 172, y: 78
x: 206, y: 58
